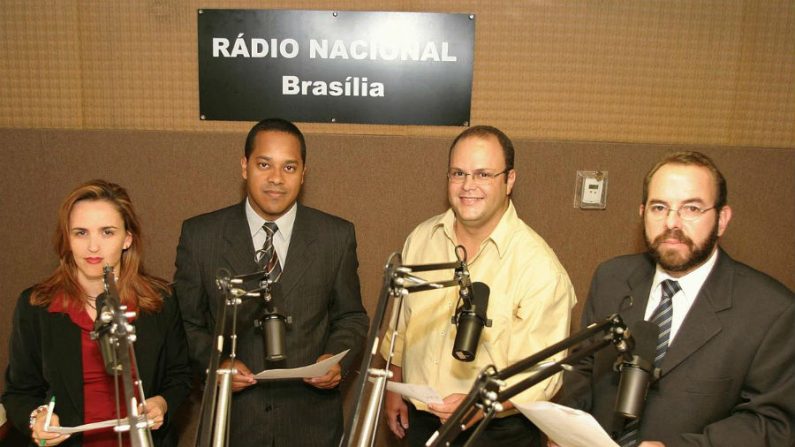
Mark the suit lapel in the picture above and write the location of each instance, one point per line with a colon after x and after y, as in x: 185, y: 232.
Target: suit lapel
x: 701, y: 322
x: 146, y: 347
x: 639, y: 284
x: 66, y: 346
x: 300, y: 255
x: 238, y: 250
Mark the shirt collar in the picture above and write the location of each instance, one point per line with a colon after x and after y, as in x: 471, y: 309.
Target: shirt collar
x: 285, y: 222
x: 690, y: 283
x: 500, y: 236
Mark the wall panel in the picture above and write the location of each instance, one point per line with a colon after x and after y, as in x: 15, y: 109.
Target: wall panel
x: 384, y: 184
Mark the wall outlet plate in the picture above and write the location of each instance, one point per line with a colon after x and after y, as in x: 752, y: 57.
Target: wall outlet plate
x: 590, y: 190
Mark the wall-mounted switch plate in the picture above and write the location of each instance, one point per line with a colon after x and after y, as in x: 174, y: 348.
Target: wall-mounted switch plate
x: 590, y: 191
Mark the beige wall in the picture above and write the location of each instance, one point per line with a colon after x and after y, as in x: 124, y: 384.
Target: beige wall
x: 109, y: 89
x: 705, y: 72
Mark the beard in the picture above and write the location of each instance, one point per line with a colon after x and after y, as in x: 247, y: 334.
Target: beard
x: 671, y: 260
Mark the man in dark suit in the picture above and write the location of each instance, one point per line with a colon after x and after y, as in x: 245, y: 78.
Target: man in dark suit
x: 726, y: 349
x: 312, y: 256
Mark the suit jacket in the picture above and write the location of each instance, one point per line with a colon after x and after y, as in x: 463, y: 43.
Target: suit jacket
x: 45, y: 360
x: 320, y: 291
x: 728, y: 377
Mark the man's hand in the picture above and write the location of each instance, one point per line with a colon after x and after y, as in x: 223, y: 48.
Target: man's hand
x: 156, y: 408
x: 397, y: 414
x: 329, y: 380
x: 45, y: 438
x: 243, y: 378
x: 448, y: 407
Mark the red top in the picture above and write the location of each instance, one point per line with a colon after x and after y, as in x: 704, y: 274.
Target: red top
x: 98, y: 386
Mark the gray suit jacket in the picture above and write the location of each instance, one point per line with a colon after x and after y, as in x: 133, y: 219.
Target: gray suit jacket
x: 728, y: 377
x: 320, y: 288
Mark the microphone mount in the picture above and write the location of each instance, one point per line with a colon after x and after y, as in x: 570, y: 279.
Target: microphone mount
x: 116, y: 335
x: 272, y: 322
x: 212, y: 429
x: 398, y: 282
x: 489, y: 388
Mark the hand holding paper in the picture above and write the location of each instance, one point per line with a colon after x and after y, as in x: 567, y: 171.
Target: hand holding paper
x: 314, y: 370
x: 156, y: 408
x: 422, y: 393
x: 52, y: 435
x: 328, y: 380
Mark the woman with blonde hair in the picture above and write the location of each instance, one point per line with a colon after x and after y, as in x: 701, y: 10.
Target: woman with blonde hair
x: 51, y: 351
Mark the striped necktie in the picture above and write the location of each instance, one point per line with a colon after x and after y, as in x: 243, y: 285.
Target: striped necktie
x: 267, y: 258
x: 661, y: 316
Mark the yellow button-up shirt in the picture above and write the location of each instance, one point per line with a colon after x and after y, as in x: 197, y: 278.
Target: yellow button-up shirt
x: 530, y: 304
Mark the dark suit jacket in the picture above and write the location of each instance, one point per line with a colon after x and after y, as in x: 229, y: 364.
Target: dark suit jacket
x: 45, y: 360
x: 320, y: 288
x: 728, y: 377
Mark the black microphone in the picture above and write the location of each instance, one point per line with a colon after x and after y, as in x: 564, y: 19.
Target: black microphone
x: 273, y: 325
x: 637, y: 372
x: 469, y: 320
x: 101, y: 333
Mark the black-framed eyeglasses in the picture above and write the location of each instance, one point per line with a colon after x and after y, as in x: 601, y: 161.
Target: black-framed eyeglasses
x: 479, y: 177
x: 658, y: 211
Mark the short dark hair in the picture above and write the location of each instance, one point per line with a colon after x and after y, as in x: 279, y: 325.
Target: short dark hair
x: 483, y: 132
x: 690, y: 158
x: 275, y: 125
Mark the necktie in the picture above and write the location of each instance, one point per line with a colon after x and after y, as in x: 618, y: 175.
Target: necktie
x: 267, y: 259
x: 661, y: 316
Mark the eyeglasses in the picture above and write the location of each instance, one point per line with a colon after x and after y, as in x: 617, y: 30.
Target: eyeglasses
x: 685, y: 212
x: 478, y: 177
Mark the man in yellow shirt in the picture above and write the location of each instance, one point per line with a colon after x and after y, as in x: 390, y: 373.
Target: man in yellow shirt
x: 530, y: 298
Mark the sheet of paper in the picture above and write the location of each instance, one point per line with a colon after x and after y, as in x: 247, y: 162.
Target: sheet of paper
x: 121, y: 423
x: 422, y: 393
x: 566, y: 426
x: 313, y: 370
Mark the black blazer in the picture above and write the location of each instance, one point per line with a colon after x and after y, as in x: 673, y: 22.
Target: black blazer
x: 45, y: 360
x: 728, y: 377
x: 320, y: 288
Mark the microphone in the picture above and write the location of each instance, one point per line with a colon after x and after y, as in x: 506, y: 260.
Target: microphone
x: 101, y: 333
x: 469, y: 320
x: 637, y: 372
x: 273, y: 325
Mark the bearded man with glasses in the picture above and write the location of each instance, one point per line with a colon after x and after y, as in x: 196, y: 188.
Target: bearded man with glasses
x: 726, y: 349
x: 529, y: 303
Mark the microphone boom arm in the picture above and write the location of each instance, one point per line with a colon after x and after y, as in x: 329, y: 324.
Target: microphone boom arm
x: 398, y: 282
x: 217, y: 396
x: 486, y: 394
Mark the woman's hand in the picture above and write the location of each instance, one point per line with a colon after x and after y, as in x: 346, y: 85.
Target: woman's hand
x: 156, y: 408
x: 46, y: 438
